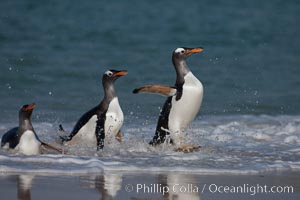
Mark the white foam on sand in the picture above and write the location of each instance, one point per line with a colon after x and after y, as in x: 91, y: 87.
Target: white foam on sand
x: 230, y: 145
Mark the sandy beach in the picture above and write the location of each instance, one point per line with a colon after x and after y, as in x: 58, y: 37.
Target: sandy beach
x: 151, y: 186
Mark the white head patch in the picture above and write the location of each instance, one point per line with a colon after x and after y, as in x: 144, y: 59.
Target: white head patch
x: 109, y: 73
x: 179, y: 50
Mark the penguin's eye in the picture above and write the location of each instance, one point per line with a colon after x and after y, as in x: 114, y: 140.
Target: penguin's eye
x: 182, y: 51
x: 109, y: 73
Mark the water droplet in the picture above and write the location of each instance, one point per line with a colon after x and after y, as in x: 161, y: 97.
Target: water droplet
x: 8, y: 86
x: 50, y: 93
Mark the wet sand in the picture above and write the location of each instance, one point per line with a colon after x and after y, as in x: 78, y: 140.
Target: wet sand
x: 151, y: 186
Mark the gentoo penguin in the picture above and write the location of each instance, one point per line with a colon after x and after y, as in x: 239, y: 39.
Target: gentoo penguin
x: 183, y: 102
x: 23, y: 138
x: 103, y: 121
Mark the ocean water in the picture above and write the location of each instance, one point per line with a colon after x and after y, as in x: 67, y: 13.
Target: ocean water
x: 54, y: 54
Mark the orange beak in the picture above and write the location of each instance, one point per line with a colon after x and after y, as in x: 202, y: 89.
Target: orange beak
x: 194, y: 50
x: 30, y: 107
x: 121, y: 73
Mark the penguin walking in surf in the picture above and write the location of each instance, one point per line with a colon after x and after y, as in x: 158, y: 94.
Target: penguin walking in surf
x: 23, y: 138
x: 183, y: 102
x: 103, y: 121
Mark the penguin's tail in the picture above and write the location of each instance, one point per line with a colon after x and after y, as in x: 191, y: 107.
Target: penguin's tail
x: 63, y: 138
x: 61, y: 128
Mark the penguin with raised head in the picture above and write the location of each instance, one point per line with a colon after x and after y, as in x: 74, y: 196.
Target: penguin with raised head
x: 183, y: 102
x: 103, y: 121
x: 23, y: 138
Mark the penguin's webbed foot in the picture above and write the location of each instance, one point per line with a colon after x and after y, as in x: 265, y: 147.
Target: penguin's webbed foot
x: 119, y: 136
x: 187, y: 148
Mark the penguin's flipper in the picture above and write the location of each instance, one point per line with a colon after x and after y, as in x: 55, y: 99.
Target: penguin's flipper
x: 187, y: 148
x: 50, y: 147
x: 100, y: 134
x: 157, y: 89
x: 119, y: 136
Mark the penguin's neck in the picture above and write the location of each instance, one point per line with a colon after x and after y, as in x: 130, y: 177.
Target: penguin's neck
x: 181, y: 70
x: 25, y: 124
x: 109, y: 90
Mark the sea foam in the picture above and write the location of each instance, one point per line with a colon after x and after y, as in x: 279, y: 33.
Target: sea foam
x: 229, y: 144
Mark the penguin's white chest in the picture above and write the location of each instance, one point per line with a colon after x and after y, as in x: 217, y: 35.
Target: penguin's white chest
x: 186, y: 108
x: 29, y: 144
x: 114, y: 118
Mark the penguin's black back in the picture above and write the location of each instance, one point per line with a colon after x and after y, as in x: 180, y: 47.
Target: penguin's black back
x: 11, y: 137
x: 98, y: 110
x: 83, y: 120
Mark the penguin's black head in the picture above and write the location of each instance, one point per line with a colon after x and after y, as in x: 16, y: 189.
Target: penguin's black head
x: 26, y: 110
x: 112, y: 75
x: 183, y: 53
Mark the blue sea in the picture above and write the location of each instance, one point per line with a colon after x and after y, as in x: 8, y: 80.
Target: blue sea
x: 54, y: 53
